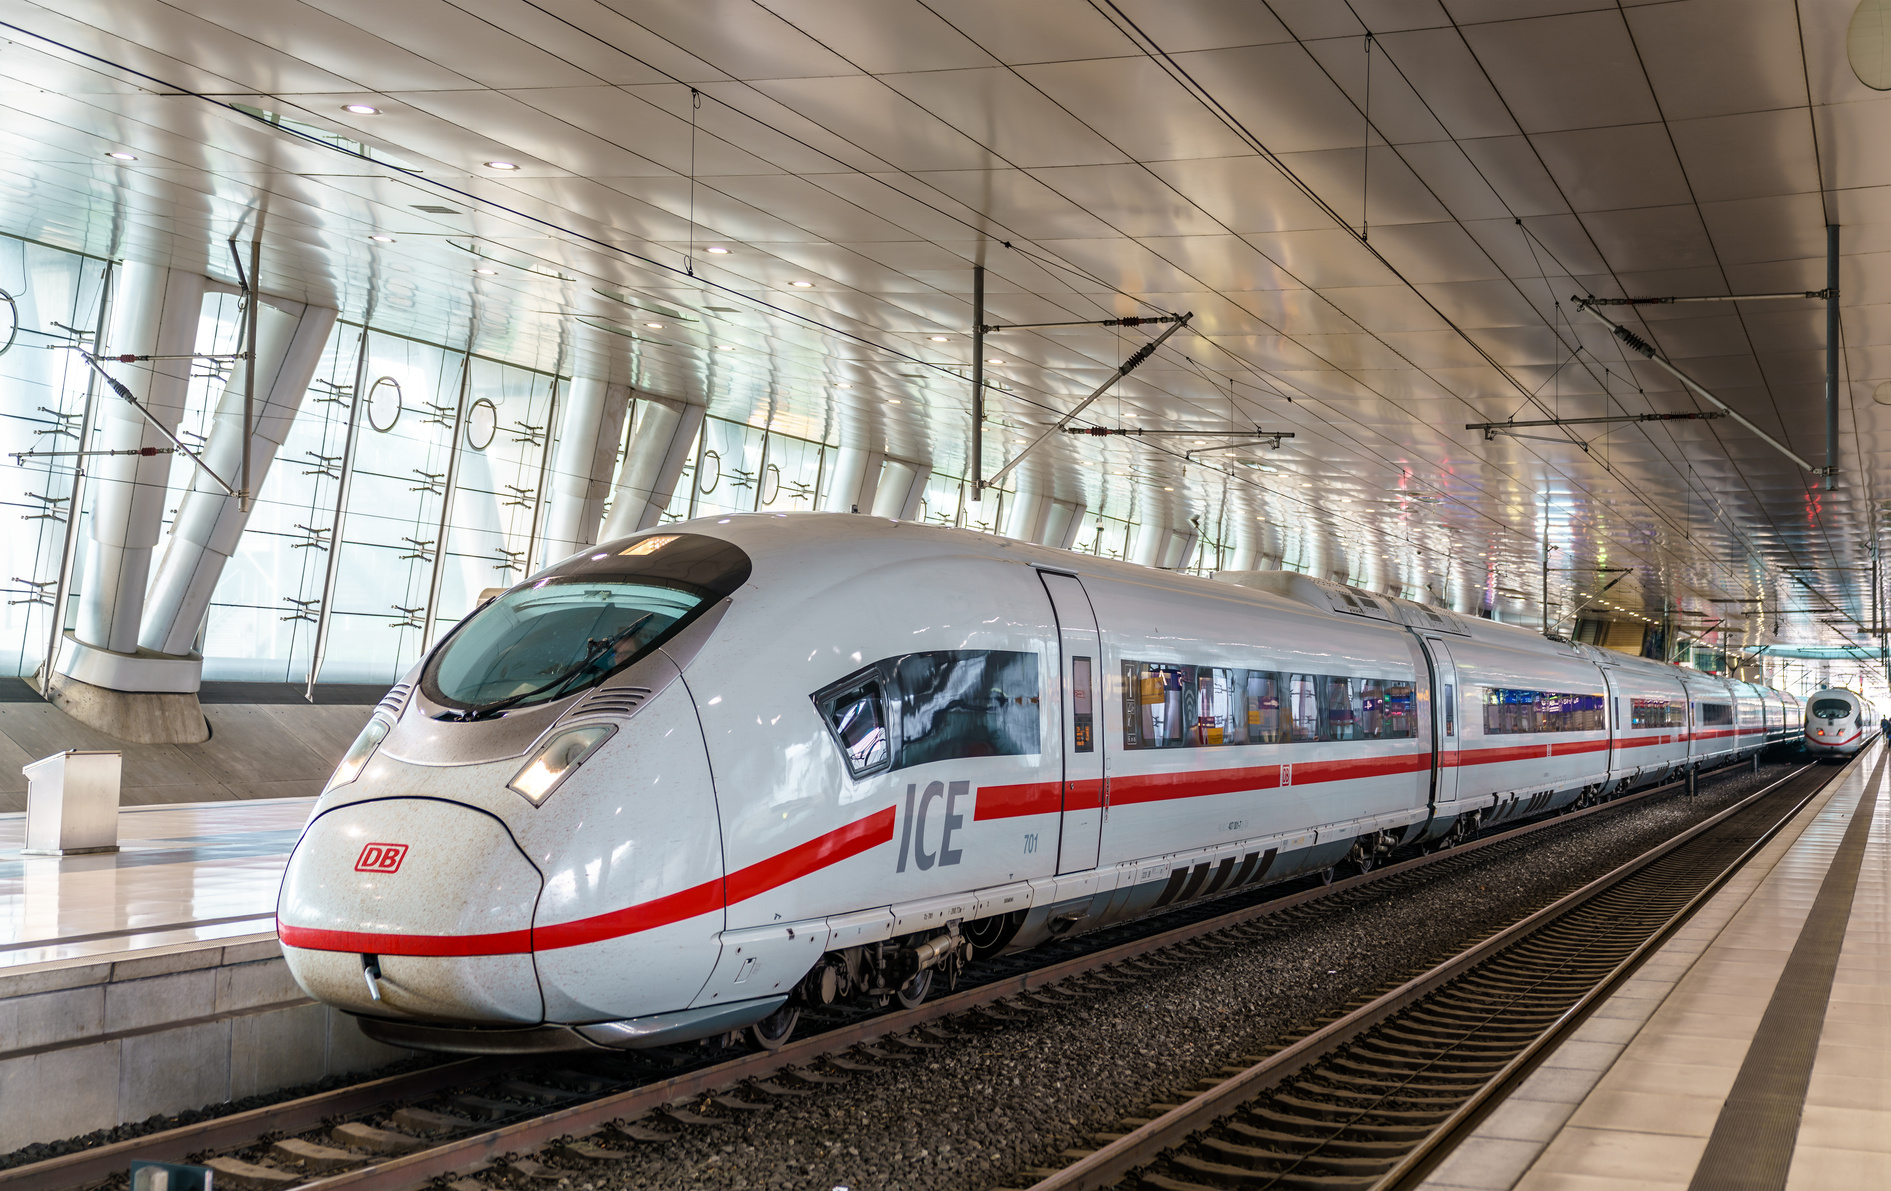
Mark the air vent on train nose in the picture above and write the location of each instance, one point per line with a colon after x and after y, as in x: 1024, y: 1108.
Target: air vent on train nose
x: 395, y: 699
x: 620, y: 700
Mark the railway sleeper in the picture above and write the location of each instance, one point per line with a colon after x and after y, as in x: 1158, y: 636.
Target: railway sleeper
x: 1480, y: 1041
x: 1392, y: 1094
x: 1343, y: 1113
x: 1455, y: 1017
x: 1256, y: 1135
x: 1331, y: 1130
x: 1367, y: 1052
x: 1268, y: 1165
x: 1427, y: 1084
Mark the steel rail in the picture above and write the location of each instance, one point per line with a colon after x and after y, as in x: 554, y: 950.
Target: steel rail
x: 1144, y: 1144
x: 456, y: 1156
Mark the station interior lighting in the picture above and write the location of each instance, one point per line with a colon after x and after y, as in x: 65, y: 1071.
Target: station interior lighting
x: 360, y: 109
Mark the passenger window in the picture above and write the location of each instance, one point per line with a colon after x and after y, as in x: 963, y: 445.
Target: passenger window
x: 1451, y: 709
x: 855, y: 711
x: 1083, y: 721
x: 966, y: 703
x: 1305, y: 696
x: 1341, y: 720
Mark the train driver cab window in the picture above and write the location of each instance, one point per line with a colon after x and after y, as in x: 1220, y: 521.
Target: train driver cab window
x: 1830, y: 709
x: 855, y: 712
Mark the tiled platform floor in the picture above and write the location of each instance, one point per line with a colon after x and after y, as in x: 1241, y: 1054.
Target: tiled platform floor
x: 1633, y: 1097
x: 185, y: 873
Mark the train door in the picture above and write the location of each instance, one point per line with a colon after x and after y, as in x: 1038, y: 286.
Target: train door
x: 1444, y: 720
x: 1080, y: 670
x: 1616, y: 705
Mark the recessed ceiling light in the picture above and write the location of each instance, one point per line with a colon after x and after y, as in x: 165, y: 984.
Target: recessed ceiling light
x: 487, y: 272
x: 119, y: 155
x: 725, y: 347
x: 994, y: 361
x: 892, y: 400
x: 382, y: 239
x: 843, y: 385
x: 718, y: 250
x: 654, y: 326
x: 1168, y: 489
x: 802, y: 284
x: 360, y: 109
x: 501, y: 165
x: 938, y: 338
x: 1306, y: 485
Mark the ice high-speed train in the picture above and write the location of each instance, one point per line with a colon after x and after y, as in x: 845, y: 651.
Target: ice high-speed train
x: 1839, y: 722
x: 685, y: 782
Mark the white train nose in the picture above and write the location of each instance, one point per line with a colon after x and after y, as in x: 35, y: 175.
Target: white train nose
x: 435, y: 896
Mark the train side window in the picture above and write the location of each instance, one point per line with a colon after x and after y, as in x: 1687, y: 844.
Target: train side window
x: 1267, y: 718
x: 1340, y: 720
x: 1399, y: 715
x: 1304, y: 703
x: 1716, y: 713
x: 1451, y: 709
x: 965, y: 703
x: 1369, y: 698
x: 1164, y: 705
x: 854, y: 710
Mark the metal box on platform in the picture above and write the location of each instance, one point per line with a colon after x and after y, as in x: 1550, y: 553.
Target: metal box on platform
x: 72, y: 803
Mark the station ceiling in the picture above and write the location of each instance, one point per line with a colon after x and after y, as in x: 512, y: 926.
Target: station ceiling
x: 1379, y: 238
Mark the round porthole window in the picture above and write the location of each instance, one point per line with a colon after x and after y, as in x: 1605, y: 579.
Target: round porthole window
x: 710, y: 473
x: 384, y: 404
x: 1868, y: 44
x: 482, y: 422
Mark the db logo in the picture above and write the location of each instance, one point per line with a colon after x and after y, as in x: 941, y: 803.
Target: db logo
x: 381, y: 858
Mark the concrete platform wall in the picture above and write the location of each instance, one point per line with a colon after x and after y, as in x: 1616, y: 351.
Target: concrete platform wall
x: 279, y: 748
x: 89, y: 1045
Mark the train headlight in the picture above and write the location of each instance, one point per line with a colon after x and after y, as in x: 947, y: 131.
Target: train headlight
x: 359, y: 752
x: 556, y: 759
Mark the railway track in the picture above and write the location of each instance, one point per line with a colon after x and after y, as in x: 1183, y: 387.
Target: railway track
x: 1368, y: 1100
x: 457, y: 1118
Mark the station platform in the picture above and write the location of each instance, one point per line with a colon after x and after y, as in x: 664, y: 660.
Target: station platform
x: 1753, y: 1050
x: 149, y: 980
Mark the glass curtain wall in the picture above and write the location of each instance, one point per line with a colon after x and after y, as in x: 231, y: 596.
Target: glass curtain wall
x: 51, y: 300
x: 430, y: 419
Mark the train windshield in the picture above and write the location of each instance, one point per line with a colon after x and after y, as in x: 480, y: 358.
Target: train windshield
x: 1831, y: 709
x: 577, y: 624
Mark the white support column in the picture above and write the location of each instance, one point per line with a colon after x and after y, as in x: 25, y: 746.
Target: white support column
x: 1180, y: 547
x: 1025, y: 516
x: 1080, y: 526
x: 902, y: 484
x: 1056, y: 526
x: 659, y: 447
x: 588, y: 435
x: 1152, y: 543
x: 290, y: 339
x: 856, y: 480
x: 154, y: 312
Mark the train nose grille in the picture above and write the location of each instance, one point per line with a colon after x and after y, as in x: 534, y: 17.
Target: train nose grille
x: 395, y: 699
x: 616, y: 701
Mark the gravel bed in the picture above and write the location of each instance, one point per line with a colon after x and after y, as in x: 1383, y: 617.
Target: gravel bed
x: 972, y: 1115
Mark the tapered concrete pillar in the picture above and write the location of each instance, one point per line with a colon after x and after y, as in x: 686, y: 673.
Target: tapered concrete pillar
x: 1152, y: 544
x: 155, y: 311
x: 98, y: 675
x: 1025, y: 516
x: 290, y: 339
x: 660, y: 442
x: 588, y: 433
x: 902, y: 486
x: 1057, y: 525
x: 856, y: 480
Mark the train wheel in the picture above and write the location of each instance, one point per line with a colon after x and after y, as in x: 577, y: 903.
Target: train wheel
x: 1326, y: 875
x: 773, y: 1031
x: 914, y: 991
